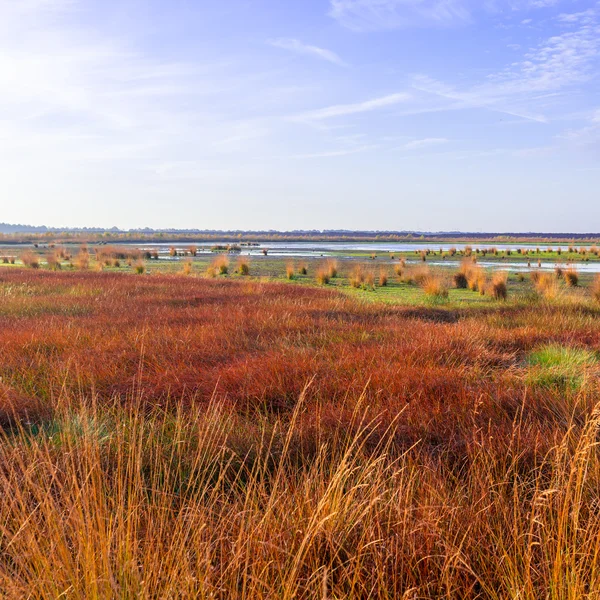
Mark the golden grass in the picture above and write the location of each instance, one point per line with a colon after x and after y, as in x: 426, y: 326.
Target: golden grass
x: 243, y: 265
x: 290, y: 270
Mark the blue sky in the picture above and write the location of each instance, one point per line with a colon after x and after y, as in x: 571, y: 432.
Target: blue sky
x: 356, y: 114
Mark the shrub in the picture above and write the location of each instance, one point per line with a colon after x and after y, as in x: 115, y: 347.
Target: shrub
x: 193, y: 250
x: 221, y: 265
x: 383, y: 277
x: 289, y: 270
x: 435, y: 287
x: 139, y: 267
x: 460, y: 280
x: 499, y: 290
x: 370, y: 281
x: 82, y: 260
x: 332, y: 269
x: 303, y: 269
x: 187, y: 267
x: 322, y: 276
x: 595, y: 289
x: 53, y: 261
x: 30, y: 259
x: 546, y: 285
x: 243, y: 266
x: 571, y: 277
x: 172, y: 251
x: 357, y: 277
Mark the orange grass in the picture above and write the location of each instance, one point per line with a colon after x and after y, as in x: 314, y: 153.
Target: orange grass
x: 175, y: 437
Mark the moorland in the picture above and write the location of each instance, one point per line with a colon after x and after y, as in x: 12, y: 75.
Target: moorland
x: 180, y: 423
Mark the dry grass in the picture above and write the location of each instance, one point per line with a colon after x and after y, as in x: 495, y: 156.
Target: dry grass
x: 332, y: 268
x: 243, y: 266
x: 383, y: 277
x: 30, y: 259
x: 595, y: 289
x: 290, y: 270
x: 571, y: 277
x: 357, y: 276
x: 435, y: 286
x: 322, y: 276
x: 220, y: 265
x: 546, y: 285
x: 175, y: 437
x: 498, y: 286
x: 187, y: 267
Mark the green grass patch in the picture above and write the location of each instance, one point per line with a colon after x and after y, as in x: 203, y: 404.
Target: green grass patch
x: 559, y: 366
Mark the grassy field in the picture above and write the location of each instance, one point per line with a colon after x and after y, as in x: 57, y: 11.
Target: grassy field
x: 177, y: 429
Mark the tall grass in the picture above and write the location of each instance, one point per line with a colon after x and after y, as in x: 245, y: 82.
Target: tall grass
x: 498, y: 287
x: 595, y: 289
x: 30, y: 259
x: 435, y: 286
x: 290, y: 270
x: 171, y: 437
x: 243, y: 266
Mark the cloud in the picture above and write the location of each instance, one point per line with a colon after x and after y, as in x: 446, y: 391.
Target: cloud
x: 425, y: 143
x: 558, y: 65
x: 340, y: 110
x: 297, y: 46
x: 376, y: 15
x: 371, y: 15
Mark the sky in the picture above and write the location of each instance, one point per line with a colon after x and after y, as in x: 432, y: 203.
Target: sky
x: 428, y: 115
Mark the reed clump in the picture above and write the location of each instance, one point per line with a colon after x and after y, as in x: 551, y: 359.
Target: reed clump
x: 498, y: 286
x: 290, y: 270
x: 435, y: 286
x: 243, y: 266
x: 383, y: 277
x: 187, y: 267
x: 357, y: 277
x: 322, y: 276
x: 221, y: 264
x: 332, y: 268
x: 595, y: 289
x: 571, y: 277
x: 30, y: 259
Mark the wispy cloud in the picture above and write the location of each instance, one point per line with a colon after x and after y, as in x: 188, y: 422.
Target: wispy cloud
x: 340, y: 110
x: 376, y: 15
x: 425, y: 143
x: 524, y: 88
x: 298, y: 47
x: 372, y: 15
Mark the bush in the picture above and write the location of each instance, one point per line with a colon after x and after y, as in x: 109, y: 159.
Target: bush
x: 30, y: 259
x: 357, y: 277
x: 571, y: 277
x: 289, y: 270
x: 322, y: 276
x: 499, y: 289
x: 435, y: 287
x: 460, y: 280
x: 244, y: 266
x: 596, y: 289
x: 383, y: 277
